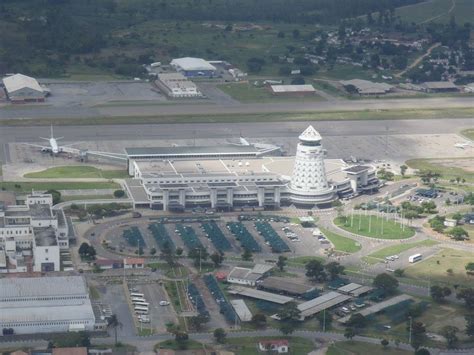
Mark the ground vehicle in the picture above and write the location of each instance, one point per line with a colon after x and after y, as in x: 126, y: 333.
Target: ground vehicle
x: 164, y: 303
x: 144, y: 319
x: 142, y: 304
x: 141, y: 309
x: 345, y: 310
x: 137, y: 299
x: 136, y: 294
x: 414, y: 258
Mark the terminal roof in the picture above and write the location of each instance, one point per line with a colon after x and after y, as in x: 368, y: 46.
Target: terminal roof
x: 186, y: 150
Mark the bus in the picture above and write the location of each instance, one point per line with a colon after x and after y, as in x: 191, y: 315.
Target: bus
x: 141, y: 304
x: 415, y: 258
x: 138, y: 299
x: 141, y: 311
x: 136, y: 294
x: 141, y: 308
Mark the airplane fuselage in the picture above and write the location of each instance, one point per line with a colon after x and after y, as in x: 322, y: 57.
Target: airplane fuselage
x: 54, y: 145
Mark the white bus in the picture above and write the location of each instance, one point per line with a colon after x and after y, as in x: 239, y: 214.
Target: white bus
x: 415, y: 258
x: 138, y: 299
x: 136, y: 294
x: 141, y: 304
x: 141, y: 308
x: 141, y: 311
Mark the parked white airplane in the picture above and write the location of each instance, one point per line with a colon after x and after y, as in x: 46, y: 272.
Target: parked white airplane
x: 462, y: 145
x: 53, y: 146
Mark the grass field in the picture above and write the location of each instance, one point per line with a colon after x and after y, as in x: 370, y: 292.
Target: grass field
x: 44, y: 186
x: 399, y: 248
x: 469, y: 133
x: 82, y: 172
x: 445, y: 167
x: 248, y: 345
x: 302, y: 260
x: 437, y: 11
x: 247, y: 93
x: 436, y: 267
x: 341, y: 243
x: 171, y: 344
x: 379, y: 227
x: 358, y: 348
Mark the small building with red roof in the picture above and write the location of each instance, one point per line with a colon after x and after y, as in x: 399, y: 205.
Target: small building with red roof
x: 280, y: 346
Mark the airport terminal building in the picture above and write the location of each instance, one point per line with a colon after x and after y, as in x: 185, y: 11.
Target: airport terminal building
x: 236, y: 176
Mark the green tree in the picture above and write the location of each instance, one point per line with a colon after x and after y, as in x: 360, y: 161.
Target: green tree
x: 114, y: 323
x: 152, y: 251
x: 247, y: 254
x: 439, y: 293
x: 349, y: 333
x: 458, y: 233
x: 384, y: 343
x: 315, y: 270
x: 334, y: 269
x: 325, y: 320
x: 179, y: 251
x: 281, y: 263
x: 198, y: 255
x: 422, y: 351
x: 467, y: 295
x: 119, y: 193
x: 386, y: 282
x: 289, y: 316
x: 259, y: 320
x: 357, y: 321
x: 198, y: 321
x: 449, y: 332
x: 181, y: 339
x: 403, y: 169
x: 469, y: 324
x: 418, y: 332
x: 217, y: 259
x: 220, y: 335
x: 56, y: 196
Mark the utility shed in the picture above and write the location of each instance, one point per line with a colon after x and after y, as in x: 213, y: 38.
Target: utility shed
x: 244, y: 313
x: 354, y: 289
x: 21, y: 88
x: 261, y: 295
x: 281, y: 284
x: 299, y: 90
x: 378, y: 307
x: 321, y: 303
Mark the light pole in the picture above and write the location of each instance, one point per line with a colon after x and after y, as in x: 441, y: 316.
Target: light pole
x: 410, y: 331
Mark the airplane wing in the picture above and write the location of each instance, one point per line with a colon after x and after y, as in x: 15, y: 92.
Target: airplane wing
x: 69, y: 145
x: 37, y: 145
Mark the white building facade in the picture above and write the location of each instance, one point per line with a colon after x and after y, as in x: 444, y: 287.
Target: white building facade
x: 224, y: 178
x: 45, y: 305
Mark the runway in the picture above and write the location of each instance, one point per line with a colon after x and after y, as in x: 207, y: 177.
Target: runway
x: 176, y: 109
x: 234, y: 130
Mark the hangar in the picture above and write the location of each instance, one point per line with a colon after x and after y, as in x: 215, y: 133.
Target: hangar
x: 194, y: 67
x: 21, y: 88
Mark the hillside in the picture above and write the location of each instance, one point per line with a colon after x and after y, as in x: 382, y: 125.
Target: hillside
x: 439, y: 11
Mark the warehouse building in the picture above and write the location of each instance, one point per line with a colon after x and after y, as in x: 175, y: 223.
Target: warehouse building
x: 176, y: 85
x: 259, y: 295
x: 439, y: 86
x: 21, y: 88
x: 292, y: 90
x: 229, y: 176
x: 366, y: 87
x: 242, y: 311
x: 319, y: 304
x: 246, y: 276
x: 194, y: 67
x: 45, y: 305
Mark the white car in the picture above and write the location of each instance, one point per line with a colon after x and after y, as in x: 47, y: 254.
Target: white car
x: 164, y: 303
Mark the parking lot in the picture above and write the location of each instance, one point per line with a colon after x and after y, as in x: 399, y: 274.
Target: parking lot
x: 96, y: 93
x: 300, y: 240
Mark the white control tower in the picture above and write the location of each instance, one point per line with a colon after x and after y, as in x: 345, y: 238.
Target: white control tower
x: 309, y: 185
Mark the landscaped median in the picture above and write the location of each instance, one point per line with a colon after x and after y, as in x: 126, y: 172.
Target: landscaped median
x: 381, y: 254
x: 344, y: 244
x: 373, y: 226
x: 77, y: 172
